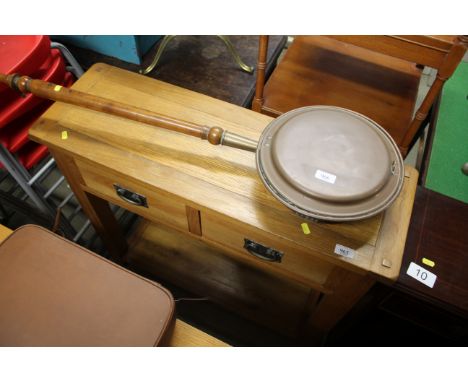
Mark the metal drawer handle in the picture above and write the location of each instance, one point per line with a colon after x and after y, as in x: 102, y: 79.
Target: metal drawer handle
x: 130, y: 196
x: 262, y: 252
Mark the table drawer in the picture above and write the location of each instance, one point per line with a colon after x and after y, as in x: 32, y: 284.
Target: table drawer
x: 159, y: 207
x: 295, y: 263
x: 181, y: 259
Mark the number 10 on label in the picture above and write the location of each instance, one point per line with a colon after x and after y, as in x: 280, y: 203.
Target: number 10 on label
x: 421, y: 274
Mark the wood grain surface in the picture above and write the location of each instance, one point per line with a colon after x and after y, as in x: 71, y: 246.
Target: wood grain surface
x: 207, y: 178
x: 438, y: 233
x: 185, y: 335
x: 377, y: 76
x: 203, y: 201
x: 324, y: 71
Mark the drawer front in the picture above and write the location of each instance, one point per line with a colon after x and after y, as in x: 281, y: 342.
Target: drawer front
x: 196, y: 266
x: 270, y: 252
x: 126, y: 193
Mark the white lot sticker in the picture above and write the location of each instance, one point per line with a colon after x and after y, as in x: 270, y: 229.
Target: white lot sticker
x: 421, y: 274
x: 325, y: 176
x: 344, y: 251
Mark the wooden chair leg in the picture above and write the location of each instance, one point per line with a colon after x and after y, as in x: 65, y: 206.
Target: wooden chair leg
x: 97, y: 210
x: 261, y: 68
x: 348, y: 288
x: 451, y: 62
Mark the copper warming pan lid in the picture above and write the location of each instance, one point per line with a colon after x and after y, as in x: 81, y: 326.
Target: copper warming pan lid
x: 323, y: 162
x: 330, y: 163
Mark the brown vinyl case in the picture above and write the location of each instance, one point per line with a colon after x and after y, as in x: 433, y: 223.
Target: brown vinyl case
x: 56, y: 293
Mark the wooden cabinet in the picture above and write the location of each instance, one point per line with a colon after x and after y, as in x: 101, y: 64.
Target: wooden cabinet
x: 204, y: 201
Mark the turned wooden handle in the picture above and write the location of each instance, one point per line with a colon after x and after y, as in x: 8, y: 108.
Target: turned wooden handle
x: 55, y: 92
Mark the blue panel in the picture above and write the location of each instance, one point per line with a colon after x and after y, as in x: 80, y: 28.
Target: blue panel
x: 146, y: 42
x: 125, y: 48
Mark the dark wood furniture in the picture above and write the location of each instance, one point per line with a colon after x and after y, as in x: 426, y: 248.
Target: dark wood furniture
x: 409, y: 313
x: 438, y: 232
x: 377, y: 76
x: 422, y: 315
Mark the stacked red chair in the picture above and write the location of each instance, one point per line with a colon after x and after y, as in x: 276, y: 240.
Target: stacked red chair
x: 31, y: 56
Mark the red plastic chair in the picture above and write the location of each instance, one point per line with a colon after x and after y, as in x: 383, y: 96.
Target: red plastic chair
x: 15, y: 136
x: 32, y: 56
x: 22, y: 54
x: 19, y: 106
x: 31, y: 154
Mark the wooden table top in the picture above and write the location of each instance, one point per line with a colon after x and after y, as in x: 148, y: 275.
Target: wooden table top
x: 209, y: 178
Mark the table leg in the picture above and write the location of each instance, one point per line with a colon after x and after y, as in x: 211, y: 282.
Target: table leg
x: 225, y: 39
x: 348, y: 288
x: 235, y: 55
x: 97, y: 209
x: 158, y: 55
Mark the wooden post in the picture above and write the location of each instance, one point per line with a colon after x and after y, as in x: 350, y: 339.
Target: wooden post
x: 450, y: 63
x: 261, y: 67
x: 348, y: 288
x: 97, y: 209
